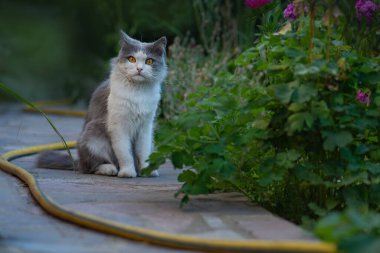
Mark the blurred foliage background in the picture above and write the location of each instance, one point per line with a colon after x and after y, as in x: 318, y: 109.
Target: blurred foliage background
x: 52, y: 49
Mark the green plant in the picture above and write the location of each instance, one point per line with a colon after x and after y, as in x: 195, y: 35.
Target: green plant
x: 354, y: 230
x: 283, y: 124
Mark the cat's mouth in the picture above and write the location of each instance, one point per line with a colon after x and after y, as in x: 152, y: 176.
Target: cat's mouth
x: 139, y: 77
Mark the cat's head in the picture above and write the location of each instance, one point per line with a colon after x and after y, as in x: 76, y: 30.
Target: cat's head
x: 140, y: 62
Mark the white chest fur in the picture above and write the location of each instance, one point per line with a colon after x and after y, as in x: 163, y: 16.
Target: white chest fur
x: 140, y: 100
x: 132, y: 104
x: 130, y: 118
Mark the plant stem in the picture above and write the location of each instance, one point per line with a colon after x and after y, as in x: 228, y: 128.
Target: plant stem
x: 329, y: 26
x: 312, y: 19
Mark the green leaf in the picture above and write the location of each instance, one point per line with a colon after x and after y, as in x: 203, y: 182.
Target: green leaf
x: 355, y: 196
x: 331, y: 203
x: 306, y: 174
x: 336, y: 139
x: 374, y: 168
x: 358, y: 178
x: 294, y: 53
x: 214, y: 149
x: 278, y: 67
x: 250, y: 135
x: 362, y: 149
x: 287, y: 159
x: 320, y: 109
x: 246, y: 58
x: 187, y: 176
x: 317, y: 209
x: 296, y: 107
x: 302, y: 70
x: 327, y: 227
x: 358, y: 243
x: 297, y: 121
x: 178, y: 159
x: 304, y: 93
x: 375, y: 155
x: 285, y: 92
x: 223, y: 168
x: 185, y: 199
x: 156, y: 159
x: 198, y: 188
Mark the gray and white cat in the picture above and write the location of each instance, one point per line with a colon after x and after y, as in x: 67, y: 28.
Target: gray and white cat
x: 117, y: 134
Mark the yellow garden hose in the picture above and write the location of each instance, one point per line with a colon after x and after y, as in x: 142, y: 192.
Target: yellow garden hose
x: 47, y: 108
x: 142, y: 234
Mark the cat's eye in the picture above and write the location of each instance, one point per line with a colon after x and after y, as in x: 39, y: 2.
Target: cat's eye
x: 149, y: 61
x: 131, y: 59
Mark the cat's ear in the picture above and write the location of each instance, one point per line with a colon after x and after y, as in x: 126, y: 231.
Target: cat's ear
x: 159, y: 46
x: 161, y: 42
x: 126, y: 40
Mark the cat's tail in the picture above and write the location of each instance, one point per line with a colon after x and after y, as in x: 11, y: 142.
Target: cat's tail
x: 55, y: 160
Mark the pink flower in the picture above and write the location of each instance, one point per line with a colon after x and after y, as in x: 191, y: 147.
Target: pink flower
x: 256, y: 3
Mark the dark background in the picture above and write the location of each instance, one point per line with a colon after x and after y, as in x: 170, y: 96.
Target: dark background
x: 53, y: 49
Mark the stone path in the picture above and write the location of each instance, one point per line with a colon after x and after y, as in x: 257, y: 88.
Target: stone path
x: 145, y: 202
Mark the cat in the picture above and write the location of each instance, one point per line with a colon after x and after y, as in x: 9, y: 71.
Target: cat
x: 116, y: 139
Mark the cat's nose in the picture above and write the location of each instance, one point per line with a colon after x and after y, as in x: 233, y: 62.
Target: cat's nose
x: 139, y: 70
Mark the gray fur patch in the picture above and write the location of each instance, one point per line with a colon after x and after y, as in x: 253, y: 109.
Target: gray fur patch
x: 95, y: 126
x: 55, y: 160
x: 88, y: 160
x: 97, y: 109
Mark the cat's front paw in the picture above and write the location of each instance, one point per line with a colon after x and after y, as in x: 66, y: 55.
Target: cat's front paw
x: 106, y: 169
x: 154, y: 173
x: 127, y: 172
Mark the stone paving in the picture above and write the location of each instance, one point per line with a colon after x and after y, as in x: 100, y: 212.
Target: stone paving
x: 145, y: 202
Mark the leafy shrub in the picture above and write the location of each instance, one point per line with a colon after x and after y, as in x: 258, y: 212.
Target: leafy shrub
x: 293, y: 123
x: 353, y: 230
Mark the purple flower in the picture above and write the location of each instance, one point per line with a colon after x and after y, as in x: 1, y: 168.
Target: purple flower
x: 360, y: 96
x: 256, y: 3
x: 290, y: 12
x: 365, y: 8
x: 367, y: 99
x: 364, y: 98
